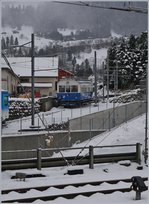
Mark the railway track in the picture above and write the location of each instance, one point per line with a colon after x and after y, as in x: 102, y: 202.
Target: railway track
x: 61, y: 190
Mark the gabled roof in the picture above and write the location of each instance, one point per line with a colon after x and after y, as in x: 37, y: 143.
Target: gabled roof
x: 66, y: 71
x: 44, y: 66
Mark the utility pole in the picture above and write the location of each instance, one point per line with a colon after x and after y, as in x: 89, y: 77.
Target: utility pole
x: 32, y: 77
x: 103, y: 83
x: 108, y: 76
x: 146, y: 120
x: 116, y: 76
x: 95, y: 76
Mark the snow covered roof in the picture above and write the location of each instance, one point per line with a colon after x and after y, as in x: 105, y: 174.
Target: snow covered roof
x: 66, y: 31
x: 44, y: 66
x: 37, y: 85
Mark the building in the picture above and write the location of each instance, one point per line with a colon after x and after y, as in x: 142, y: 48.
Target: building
x: 18, y: 80
x: 45, y: 74
x: 9, y: 80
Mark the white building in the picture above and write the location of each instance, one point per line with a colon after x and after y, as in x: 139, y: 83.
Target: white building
x: 45, y: 74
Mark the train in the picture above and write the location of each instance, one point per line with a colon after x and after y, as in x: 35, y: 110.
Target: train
x: 71, y: 92
x: 4, y: 106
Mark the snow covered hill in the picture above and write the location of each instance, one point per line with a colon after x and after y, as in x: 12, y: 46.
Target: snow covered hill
x: 24, y: 36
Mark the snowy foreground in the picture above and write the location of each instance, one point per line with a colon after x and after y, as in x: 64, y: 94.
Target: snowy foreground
x: 128, y: 133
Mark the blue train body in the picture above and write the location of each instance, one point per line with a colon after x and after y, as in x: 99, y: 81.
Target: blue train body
x: 73, y: 93
x: 4, y: 105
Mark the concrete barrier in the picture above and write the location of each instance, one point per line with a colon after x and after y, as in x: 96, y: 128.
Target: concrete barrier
x: 32, y: 142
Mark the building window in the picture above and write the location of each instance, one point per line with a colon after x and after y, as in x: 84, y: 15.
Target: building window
x: 24, y: 80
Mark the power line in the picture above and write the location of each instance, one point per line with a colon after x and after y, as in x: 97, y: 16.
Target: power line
x: 129, y: 9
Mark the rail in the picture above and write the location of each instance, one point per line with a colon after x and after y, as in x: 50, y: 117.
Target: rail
x: 61, y: 192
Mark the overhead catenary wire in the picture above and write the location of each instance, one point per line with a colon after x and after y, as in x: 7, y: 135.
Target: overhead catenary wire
x: 85, y: 4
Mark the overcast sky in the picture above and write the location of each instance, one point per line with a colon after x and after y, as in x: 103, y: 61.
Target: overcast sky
x: 48, y: 16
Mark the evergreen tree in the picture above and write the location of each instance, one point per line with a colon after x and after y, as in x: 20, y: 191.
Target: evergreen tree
x: 20, y: 53
x: 74, y: 63
x: 3, y: 43
x: 69, y: 53
x: 11, y: 40
x: 88, y: 71
x: 7, y: 42
x: 16, y: 41
x: 132, y: 42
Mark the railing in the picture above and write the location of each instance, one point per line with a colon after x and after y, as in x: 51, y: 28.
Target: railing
x: 44, y: 157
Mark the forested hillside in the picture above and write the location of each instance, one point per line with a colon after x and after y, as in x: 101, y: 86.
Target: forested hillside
x: 130, y: 55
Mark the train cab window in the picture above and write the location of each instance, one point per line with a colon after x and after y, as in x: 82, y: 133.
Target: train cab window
x: 83, y: 89
x: 67, y: 88
x: 89, y: 89
x: 61, y: 88
x: 74, y: 88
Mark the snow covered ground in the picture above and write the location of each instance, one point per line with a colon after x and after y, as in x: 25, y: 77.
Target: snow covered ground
x: 24, y: 36
x: 130, y: 132
x: 101, y: 56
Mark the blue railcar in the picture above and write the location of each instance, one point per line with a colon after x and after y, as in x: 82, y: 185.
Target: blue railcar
x: 4, y: 105
x: 74, y: 93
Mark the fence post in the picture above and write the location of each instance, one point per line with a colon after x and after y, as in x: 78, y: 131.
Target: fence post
x: 39, y: 152
x: 61, y: 115
x: 90, y: 126
x: 80, y: 123
x: 21, y: 124
x: 109, y: 119
x: 69, y: 138
x: 113, y: 114
x: 91, y: 157
x: 126, y: 114
x: 80, y: 110
x: 138, y: 153
x: 38, y: 124
x: 103, y: 122
x: 90, y: 109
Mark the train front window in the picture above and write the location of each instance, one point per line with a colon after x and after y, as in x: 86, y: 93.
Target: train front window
x: 67, y: 88
x: 83, y: 89
x: 74, y: 88
x: 61, y: 88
